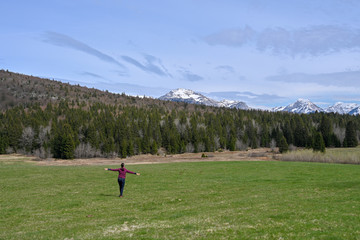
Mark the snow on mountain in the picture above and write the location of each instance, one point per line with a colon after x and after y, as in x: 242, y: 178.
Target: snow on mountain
x: 189, y: 96
x: 233, y: 104
x: 300, y: 106
x: 342, y: 108
x: 355, y: 111
x: 226, y: 103
x: 277, y: 109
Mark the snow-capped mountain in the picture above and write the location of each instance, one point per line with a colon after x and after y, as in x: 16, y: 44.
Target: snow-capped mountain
x: 233, y: 104
x: 342, y: 108
x: 189, y: 96
x: 355, y: 111
x: 300, y: 106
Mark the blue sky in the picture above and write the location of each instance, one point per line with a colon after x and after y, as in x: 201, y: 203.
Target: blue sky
x: 266, y: 53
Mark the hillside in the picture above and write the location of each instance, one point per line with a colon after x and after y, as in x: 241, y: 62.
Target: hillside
x: 19, y: 89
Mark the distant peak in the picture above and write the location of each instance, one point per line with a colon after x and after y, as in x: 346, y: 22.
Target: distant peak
x: 182, y: 90
x: 302, y: 106
x: 189, y: 96
x: 303, y: 100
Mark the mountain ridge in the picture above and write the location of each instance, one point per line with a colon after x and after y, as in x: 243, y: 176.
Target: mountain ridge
x: 306, y: 106
x: 301, y: 106
x: 190, y: 96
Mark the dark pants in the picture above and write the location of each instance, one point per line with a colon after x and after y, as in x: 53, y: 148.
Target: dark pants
x: 121, y: 182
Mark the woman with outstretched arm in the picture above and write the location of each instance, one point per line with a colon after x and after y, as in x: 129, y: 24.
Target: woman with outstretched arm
x: 122, y: 175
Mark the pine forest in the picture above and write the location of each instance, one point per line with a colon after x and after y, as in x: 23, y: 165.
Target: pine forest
x: 122, y: 126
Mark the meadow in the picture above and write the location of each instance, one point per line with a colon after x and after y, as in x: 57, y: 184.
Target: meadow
x: 196, y: 200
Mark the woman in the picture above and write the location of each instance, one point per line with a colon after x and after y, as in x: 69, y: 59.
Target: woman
x: 122, y: 175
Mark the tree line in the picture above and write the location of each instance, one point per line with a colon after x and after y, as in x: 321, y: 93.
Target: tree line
x: 67, y: 130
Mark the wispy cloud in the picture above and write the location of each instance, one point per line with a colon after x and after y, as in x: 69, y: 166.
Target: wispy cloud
x: 92, y: 75
x: 232, y: 37
x: 63, y: 40
x: 189, y: 76
x: 225, y: 68
x: 151, y: 65
x: 338, y: 79
x: 313, y: 40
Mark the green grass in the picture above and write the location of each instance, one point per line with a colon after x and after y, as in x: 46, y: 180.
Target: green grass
x: 207, y: 200
x: 332, y: 155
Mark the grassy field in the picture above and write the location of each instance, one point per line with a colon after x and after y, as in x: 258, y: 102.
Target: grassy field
x: 205, y: 200
x: 332, y: 155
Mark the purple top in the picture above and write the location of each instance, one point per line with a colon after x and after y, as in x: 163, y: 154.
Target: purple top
x: 122, y: 172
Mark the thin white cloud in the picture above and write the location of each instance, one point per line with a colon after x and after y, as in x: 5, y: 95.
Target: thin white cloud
x: 189, y: 76
x: 231, y: 37
x: 225, y: 68
x: 63, y: 40
x: 93, y: 75
x: 151, y: 65
x: 313, y: 40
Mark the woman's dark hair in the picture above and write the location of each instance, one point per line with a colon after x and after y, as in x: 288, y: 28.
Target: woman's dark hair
x: 122, y: 165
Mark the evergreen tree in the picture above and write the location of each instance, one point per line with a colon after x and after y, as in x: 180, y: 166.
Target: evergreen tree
x: 123, y: 148
x: 130, y: 148
x: 288, y: 132
x: 335, y: 140
x: 283, y: 145
x: 318, y: 142
x: 13, y: 132
x: 108, y: 146
x: 350, y: 135
x: 154, y: 148
x: 67, y: 147
x: 265, y: 137
x: 326, y: 130
x: 300, y: 133
x: 232, y: 143
x: 63, y: 145
x: 3, y: 143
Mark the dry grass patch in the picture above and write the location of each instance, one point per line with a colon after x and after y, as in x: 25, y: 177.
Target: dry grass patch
x: 332, y: 155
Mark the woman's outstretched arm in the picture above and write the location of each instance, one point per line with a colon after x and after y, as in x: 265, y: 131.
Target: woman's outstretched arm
x: 128, y: 171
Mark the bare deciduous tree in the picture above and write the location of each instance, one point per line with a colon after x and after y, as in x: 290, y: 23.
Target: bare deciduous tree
x: 42, y: 153
x: 273, y: 144
x: 44, y: 134
x: 340, y: 133
x: 190, y: 148
x: 27, y: 139
x: 85, y: 150
x: 240, y: 145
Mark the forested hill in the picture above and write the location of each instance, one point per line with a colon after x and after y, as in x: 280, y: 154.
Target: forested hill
x: 23, y: 90
x: 52, y: 119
